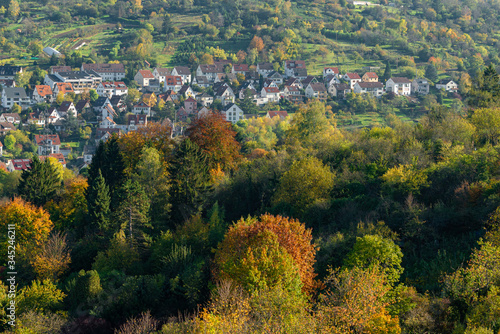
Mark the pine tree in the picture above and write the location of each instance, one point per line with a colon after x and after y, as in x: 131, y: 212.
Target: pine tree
x: 132, y: 210
x: 190, y: 180
x: 98, y: 202
x: 387, y: 72
x: 40, y: 183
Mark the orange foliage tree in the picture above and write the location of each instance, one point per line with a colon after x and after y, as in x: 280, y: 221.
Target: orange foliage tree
x: 256, y: 43
x: 290, y: 234
x: 157, y: 135
x: 32, y: 226
x: 216, y: 137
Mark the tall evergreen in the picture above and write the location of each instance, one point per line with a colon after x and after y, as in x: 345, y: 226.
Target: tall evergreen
x: 40, y: 183
x: 190, y: 180
x: 132, y: 210
x: 98, y: 202
x: 388, y: 71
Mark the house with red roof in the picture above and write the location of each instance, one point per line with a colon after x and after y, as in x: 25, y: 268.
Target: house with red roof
x: 48, y: 144
x: 369, y: 77
x: 18, y: 164
x: 330, y: 71
x: 42, y: 93
x: 143, y: 77
x: 272, y: 94
x: 282, y: 114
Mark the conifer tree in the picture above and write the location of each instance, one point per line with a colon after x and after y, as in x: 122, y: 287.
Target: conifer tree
x: 98, y: 201
x: 387, y: 72
x: 40, y: 183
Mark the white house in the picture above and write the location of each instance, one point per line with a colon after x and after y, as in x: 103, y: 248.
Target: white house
x: 448, y: 85
x: 352, y: 78
x: 331, y: 71
x: 142, y: 108
x: 293, y: 67
x: 233, y: 113
x: 15, y: 95
x: 42, y: 93
x: 224, y: 93
x: 108, y: 72
x: 160, y: 73
x: 173, y: 83
x: 398, y: 86
x: 111, y: 89
x: 210, y: 71
x: 374, y: 88
x: 317, y: 91
x: 272, y: 94
x: 48, y: 144
x: 142, y: 77
x: 264, y: 69
x: 184, y: 72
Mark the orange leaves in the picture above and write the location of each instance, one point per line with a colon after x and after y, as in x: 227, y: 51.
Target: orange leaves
x: 256, y: 43
x: 216, y: 137
x: 290, y: 235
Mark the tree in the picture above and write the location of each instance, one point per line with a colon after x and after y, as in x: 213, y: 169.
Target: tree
x: 216, y: 138
x: 268, y: 238
x: 307, y: 181
x: 98, y: 202
x: 93, y: 95
x: 132, y: 210
x: 189, y: 180
x: 10, y: 142
x: 373, y: 251
x: 431, y: 72
x: 14, y: 9
x: 256, y: 43
x: 40, y: 296
x: 40, y: 183
x: 487, y: 123
x: 52, y: 259
x: 387, y: 72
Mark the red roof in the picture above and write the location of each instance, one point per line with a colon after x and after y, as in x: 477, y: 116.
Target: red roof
x: 141, y: 105
x: 21, y: 164
x: 240, y: 67
x: 353, y: 76
x: 271, y: 90
x: 190, y: 99
x: 334, y: 69
x: 371, y: 75
x: 39, y: 139
x: 280, y: 113
x: 43, y: 90
x: 64, y: 87
x: 173, y: 80
x: 146, y: 74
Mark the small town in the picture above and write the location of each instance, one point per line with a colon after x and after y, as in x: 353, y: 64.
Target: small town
x: 95, y: 98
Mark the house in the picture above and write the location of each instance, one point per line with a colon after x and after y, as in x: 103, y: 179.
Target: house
x: 317, y: 91
x: 191, y: 105
x: 264, y: 69
x: 149, y: 98
x: 369, y: 77
x: 249, y: 88
x: 8, y: 72
x: 47, y: 144
x: 276, y: 77
x: 112, y: 88
x: 173, y: 82
x: 108, y: 72
x: 36, y: 118
x: 291, y: 67
x: 184, y: 72
x: 81, y: 81
x: 160, y: 73
x: 307, y: 80
x: 82, y: 105
x: 270, y: 83
x: 240, y: 69
x: 103, y: 134
x: 118, y: 103
x: 205, y: 99
x: 224, y: 93
x: 5, y: 127
x: 42, y: 93
x: 226, y: 77
x: 374, y: 88
x: 88, y: 153
x: 154, y: 86
x: 136, y: 121
x: 448, y: 85
x: 282, y: 114
x: 210, y: 71
x: 293, y: 94
x: 57, y: 69
x: 18, y: 164
x: 186, y: 91
x: 107, y: 122
x: 7, y: 83
x: 67, y: 107
x: 169, y: 96
x: 272, y: 94
x: 233, y: 113
x: 300, y: 73
x: 252, y: 77
x: 62, y: 87
x: 339, y: 90
x: 351, y: 79
x: 141, y: 108
x: 202, y: 81
x: 294, y: 82
x: 420, y: 86
x: 58, y: 156
x: 10, y: 118
x: 331, y: 71
x: 143, y: 77
x: 398, y: 86
x: 182, y: 115
x: 15, y: 95
x: 53, y: 116
x: 331, y: 79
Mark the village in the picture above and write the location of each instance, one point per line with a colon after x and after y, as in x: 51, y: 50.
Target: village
x: 209, y: 89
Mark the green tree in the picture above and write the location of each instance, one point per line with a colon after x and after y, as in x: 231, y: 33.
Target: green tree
x: 387, y: 72
x: 431, y: 72
x: 14, y: 9
x: 132, y: 210
x: 93, y: 95
x: 98, y: 202
x: 9, y: 141
x: 40, y: 183
x: 35, y: 48
x: 373, y: 251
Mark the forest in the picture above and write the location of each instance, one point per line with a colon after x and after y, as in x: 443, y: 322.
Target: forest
x: 282, y: 226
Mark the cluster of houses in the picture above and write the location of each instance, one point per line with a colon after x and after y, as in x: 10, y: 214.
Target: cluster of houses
x: 262, y: 84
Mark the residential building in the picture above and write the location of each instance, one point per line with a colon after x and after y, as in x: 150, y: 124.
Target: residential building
x: 108, y: 72
x: 352, y: 78
x: 398, y: 86
x: 375, y: 89
x: 420, y: 86
x: 224, y: 93
x: 42, y: 93
x: 264, y: 69
x: 142, y: 108
x: 282, y: 114
x: 18, y: 164
x: 110, y: 89
x: 272, y: 94
x: 448, y: 85
x: 317, y: 91
x: 240, y: 69
x: 5, y: 127
x: 205, y: 99
x: 202, y: 81
x: 81, y: 81
x: 13, y: 118
x: 136, y: 121
x: 57, y: 69
x: 47, y: 144
x: 8, y: 72
x: 184, y: 72
x: 331, y: 71
x: 210, y: 71
x: 186, y: 91
x: 15, y: 95
x: 293, y: 94
x: 307, y: 80
x: 173, y: 83
x: 233, y: 113
x: 276, y: 77
x: 190, y: 105
x: 67, y: 107
x: 143, y: 77
x: 369, y: 77
x: 62, y: 87
x: 160, y: 73
x: 339, y: 90
x: 291, y: 67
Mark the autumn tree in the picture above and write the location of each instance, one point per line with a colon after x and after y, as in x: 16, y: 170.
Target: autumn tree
x: 256, y: 43
x: 52, y: 259
x: 14, y: 10
x: 216, y: 138
x: 250, y: 247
